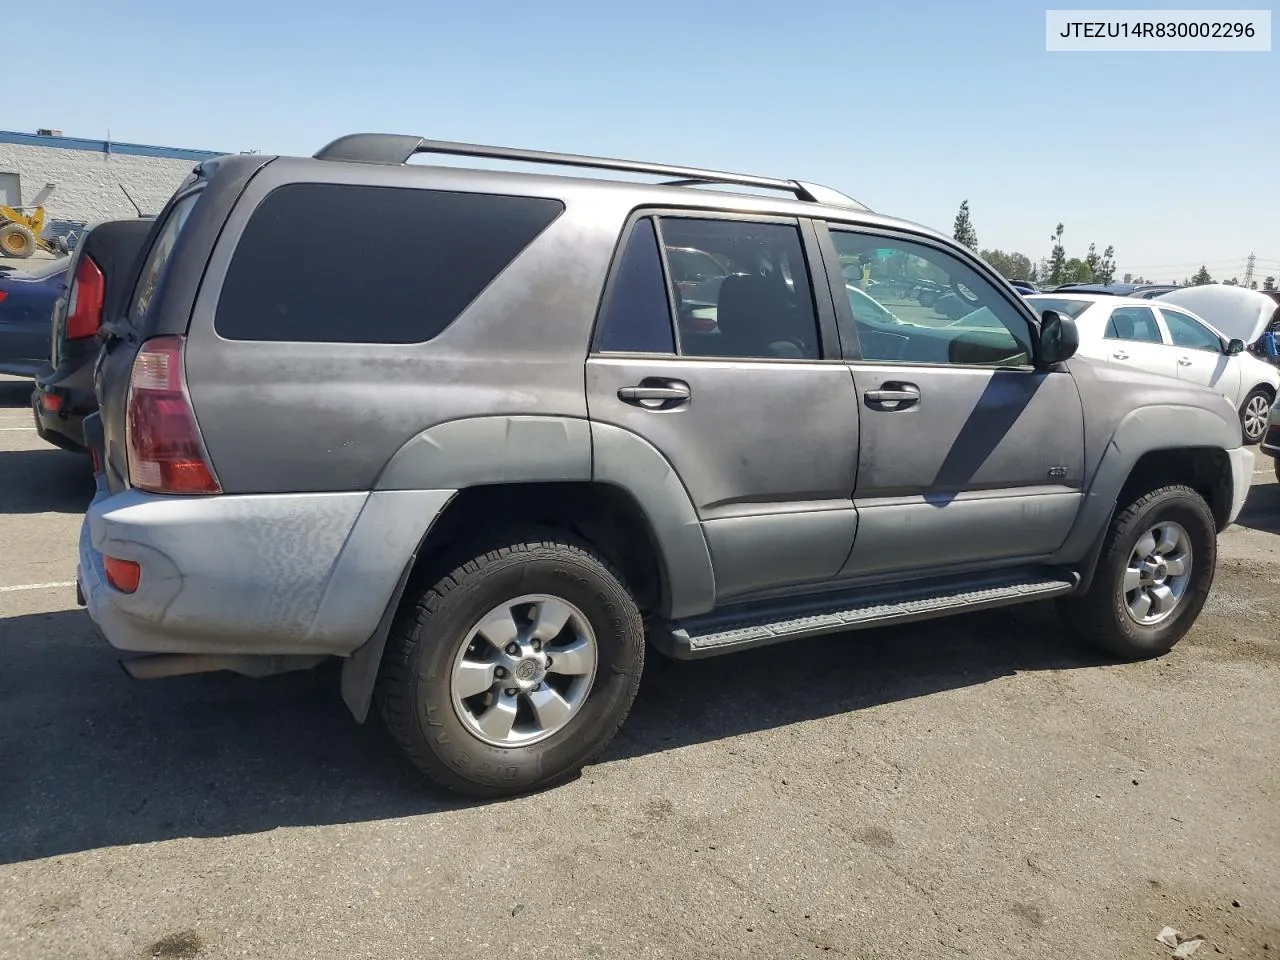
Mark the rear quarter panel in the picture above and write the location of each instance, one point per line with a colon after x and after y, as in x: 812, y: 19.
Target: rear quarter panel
x: 300, y: 417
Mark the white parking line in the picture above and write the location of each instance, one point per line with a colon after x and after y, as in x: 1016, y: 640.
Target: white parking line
x: 16, y: 428
x: 37, y: 586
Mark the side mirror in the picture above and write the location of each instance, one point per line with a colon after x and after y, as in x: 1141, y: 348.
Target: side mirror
x: 1059, y: 338
x: 1235, y: 347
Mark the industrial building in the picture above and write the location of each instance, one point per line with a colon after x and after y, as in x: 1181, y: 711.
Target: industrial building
x: 81, y: 181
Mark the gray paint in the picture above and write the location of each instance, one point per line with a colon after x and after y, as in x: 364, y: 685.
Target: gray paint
x: 750, y: 551
x: 269, y: 574
x: 987, y: 465
x: 1127, y: 414
x: 386, y: 534
x: 485, y: 450
x: 762, y: 442
x: 915, y: 534
x: 628, y: 461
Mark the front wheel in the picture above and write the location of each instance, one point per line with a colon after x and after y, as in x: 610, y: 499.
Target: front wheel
x: 1254, y: 414
x: 1153, y: 578
x: 509, y: 673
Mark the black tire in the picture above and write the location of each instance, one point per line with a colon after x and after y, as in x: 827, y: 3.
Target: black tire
x: 1252, y: 439
x: 413, y: 692
x: 1100, y: 616
x: 17, y: 240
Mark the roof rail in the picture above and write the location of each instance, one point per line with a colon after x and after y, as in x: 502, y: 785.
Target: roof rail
x: 390, y: 148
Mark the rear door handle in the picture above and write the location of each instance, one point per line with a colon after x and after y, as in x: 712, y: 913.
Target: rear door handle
x: 1184, y: 361
x: 655, y: 394
x: 897, y: 396
x: 1120, y: 355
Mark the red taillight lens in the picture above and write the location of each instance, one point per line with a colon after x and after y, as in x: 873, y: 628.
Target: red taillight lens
x: 124, y: 575
x: 3, y: 294
x: 51, y: 402
x: 166, y: 451
x: 85, y: 302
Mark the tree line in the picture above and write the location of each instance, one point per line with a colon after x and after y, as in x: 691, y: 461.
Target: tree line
x: 1058, y: 268
x: 1093, y: 267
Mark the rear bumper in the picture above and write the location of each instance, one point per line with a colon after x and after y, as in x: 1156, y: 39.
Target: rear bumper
x: 62, y: 398
x: 261, y: 574
x: 1242, y: 460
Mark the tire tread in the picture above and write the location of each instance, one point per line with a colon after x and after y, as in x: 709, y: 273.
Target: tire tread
x: 1091, y: 615
x: 396, y: 681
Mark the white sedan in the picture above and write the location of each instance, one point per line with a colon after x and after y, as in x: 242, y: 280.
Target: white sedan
x: 1161, y: 337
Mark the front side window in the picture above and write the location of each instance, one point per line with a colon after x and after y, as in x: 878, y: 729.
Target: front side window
x: 915, y: 303
x: 757, y: 303
x: 1190, y: 333
x: 1135, y: 324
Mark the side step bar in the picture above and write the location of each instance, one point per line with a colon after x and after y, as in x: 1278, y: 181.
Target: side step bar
x: 758, y: 625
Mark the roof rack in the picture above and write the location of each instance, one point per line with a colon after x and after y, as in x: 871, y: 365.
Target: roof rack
x: 390, y: 148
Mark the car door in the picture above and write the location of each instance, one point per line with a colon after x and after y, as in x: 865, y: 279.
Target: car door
x: 26, y: 315
x: 1199, y: 356
x: 970, y: 455
x: 752, y: 407
x: 1132, y: 337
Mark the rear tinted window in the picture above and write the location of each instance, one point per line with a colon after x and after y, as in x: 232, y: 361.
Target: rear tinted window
x: 333, y: 263
x: 1068, y: 308
x: 158, y: 258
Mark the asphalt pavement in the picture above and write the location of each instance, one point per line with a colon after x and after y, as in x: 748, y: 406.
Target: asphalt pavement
x: 980, y: 787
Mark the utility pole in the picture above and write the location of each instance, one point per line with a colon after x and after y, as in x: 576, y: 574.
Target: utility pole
x: 1248, y: 271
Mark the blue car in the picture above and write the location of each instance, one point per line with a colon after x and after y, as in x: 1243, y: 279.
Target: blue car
x: 27, y: 296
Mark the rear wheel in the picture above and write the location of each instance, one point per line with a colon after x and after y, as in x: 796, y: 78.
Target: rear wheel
x: 17, y: 240
x: 1153, y: 578
x: 510, y: 672
x: 1254, y: 413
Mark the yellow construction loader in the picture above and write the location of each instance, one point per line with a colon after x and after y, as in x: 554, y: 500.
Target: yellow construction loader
x: 20, y: 229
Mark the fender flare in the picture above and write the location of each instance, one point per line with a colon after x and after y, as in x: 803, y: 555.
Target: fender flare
x: 458, y: 454
x: 1146, y: 430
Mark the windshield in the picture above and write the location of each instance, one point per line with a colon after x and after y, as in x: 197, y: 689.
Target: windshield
x: 1068, y: 308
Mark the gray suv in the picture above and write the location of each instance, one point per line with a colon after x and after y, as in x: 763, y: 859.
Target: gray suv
x: 488, y: 452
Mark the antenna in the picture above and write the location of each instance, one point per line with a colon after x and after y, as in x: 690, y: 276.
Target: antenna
x: 129, y: 198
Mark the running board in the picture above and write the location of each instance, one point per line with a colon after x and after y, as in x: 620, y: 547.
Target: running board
x: 740, y: 628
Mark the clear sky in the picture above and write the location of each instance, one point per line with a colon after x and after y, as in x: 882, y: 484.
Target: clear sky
x: 910, y: 107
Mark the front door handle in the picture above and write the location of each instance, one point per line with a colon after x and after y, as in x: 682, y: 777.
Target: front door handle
x: 1120, y: 355
x: 894, y: 396
x: 656, y: 394
x: 1184, y: 361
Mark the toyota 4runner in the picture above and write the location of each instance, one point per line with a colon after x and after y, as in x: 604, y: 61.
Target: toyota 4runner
x: 491, y: 447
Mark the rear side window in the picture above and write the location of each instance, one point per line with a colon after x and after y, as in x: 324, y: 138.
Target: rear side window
x: 158, y: 258
x: 1136, y: 324
x: 637, y: 317
x: 335, y: 263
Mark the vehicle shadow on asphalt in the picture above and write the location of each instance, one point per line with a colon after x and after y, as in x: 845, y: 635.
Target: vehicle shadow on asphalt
x: 92, y: 759
x: 1262, y: 509
x: 15, y: 394
x: 44, y: 481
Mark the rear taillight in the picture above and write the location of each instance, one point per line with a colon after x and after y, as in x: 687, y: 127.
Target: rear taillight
x: 3, y: 294
x: 85, y: 302
x: 166, y: 451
